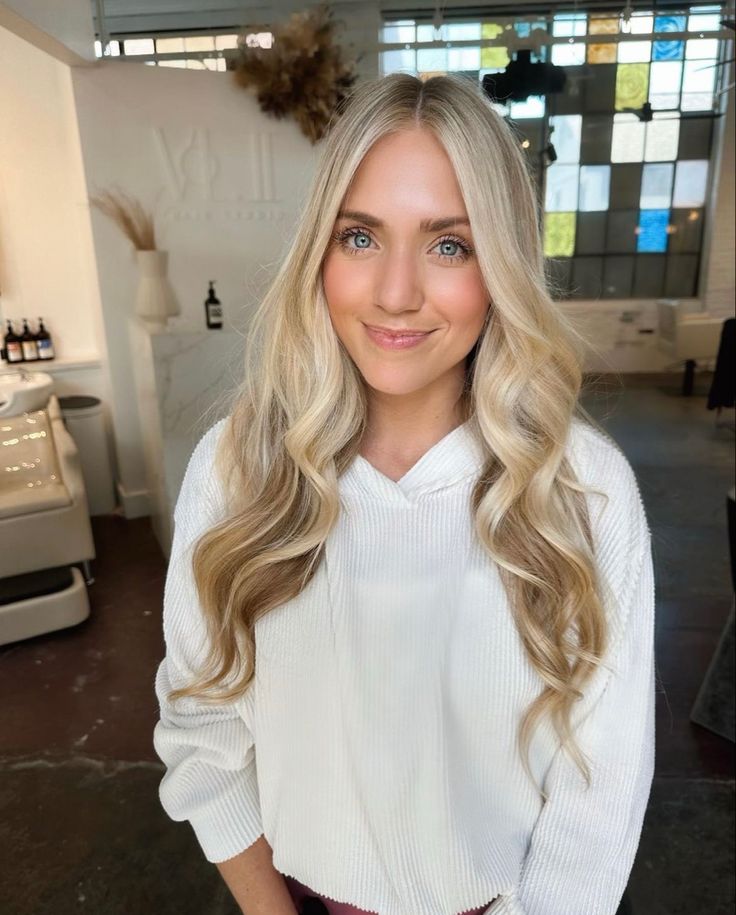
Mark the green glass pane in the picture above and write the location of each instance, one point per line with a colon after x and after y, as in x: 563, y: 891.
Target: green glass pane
x: 632, y: 83
x: 492, y: 57
x: 559, y: 234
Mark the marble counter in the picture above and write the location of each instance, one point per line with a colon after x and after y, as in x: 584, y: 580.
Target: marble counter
x: 185, y: 381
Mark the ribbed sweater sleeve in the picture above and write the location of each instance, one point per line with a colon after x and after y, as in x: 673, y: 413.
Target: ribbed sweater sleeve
x: 584, y: 842
x: 208, y: 751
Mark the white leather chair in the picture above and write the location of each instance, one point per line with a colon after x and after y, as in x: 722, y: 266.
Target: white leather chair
x: 45, y: 529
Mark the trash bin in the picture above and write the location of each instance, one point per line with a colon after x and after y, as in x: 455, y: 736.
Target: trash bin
x: 85, y: 420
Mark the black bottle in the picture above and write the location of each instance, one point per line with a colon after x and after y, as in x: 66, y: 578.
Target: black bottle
x: 44, y: 342
x: 28, y: 342
x: 213, y: 309
x: 13, y: 348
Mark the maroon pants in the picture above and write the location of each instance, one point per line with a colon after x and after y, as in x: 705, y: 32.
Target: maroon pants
x: 299, y: 891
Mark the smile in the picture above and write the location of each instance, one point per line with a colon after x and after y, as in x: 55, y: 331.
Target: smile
x: 395, y: 341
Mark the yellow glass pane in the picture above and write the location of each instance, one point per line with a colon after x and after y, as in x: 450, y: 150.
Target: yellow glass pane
x: 559, y: 234
x: 492, y: 57
x: 602, y: 53
x: 602, y: 26
x: 632, y: 83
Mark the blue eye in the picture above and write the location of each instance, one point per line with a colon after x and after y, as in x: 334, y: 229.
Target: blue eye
x: 452, y: 244
x: 342, y: 238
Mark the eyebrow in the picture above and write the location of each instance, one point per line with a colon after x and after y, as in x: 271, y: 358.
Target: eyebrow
x: 426, y: 225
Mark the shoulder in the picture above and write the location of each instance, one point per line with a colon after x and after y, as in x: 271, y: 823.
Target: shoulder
x: 619, y: 523
x: 201, y: 494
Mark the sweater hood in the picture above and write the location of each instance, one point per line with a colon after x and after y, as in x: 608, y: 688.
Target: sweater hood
x: 450, y: 461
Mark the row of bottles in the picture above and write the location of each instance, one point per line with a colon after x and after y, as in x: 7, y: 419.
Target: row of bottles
x: 27, y: 346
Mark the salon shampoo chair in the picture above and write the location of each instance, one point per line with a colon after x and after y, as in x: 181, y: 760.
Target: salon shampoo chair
x: 45, y: 531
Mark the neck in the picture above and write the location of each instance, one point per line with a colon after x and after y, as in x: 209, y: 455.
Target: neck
x: 399, y: 430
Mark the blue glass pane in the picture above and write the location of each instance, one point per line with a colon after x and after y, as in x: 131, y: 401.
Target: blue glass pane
x: 652, y: 231
x: 668, y: 50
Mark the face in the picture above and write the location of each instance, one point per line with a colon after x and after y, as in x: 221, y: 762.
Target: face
x: 384, y: 268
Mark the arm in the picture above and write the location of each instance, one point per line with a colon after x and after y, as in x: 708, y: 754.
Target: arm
x: 208, y: 750
x: 585, y: 840
x: 256, y: 885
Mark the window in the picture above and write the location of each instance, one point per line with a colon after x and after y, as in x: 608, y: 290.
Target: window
x: 625, y: 198
x: 194, y: 52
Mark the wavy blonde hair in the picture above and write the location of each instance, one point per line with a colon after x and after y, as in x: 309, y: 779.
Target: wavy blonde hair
x: 297, y: 420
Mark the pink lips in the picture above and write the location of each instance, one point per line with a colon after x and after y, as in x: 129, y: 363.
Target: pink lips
x: 395, y: 341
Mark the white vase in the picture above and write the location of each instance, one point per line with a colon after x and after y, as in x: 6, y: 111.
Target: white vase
x: 155, y: 301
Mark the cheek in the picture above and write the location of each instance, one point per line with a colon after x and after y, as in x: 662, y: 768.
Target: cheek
x: 462, y: 298
x: 342, y: 285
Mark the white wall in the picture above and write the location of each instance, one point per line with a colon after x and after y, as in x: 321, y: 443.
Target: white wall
x: 720, y: 243
x: 47, y: 260
x: 224, y: 183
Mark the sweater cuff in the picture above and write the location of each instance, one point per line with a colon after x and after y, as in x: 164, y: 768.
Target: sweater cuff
x: 230, y: 823
x: 508, y: 904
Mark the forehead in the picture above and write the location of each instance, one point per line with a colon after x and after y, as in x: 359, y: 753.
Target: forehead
x: 406, y: 171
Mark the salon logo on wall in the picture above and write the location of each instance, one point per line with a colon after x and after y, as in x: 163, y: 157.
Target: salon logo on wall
x: 202, y: 185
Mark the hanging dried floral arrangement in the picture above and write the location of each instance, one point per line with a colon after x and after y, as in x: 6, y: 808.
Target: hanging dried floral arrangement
x: 302, y: 74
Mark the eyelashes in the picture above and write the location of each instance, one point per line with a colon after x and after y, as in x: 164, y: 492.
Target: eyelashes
x: 341, y: 237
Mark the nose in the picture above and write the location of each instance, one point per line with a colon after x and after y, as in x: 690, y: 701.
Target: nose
x: 399, y: 281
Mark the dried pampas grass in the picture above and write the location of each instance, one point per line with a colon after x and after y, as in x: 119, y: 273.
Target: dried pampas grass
x: 302, y: 74
x: 129, y: 216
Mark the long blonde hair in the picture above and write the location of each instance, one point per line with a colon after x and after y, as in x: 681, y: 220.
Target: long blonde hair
x: 298, y: 417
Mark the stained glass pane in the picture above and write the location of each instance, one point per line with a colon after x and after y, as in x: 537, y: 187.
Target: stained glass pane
x: 598, y: 26
x: 627, y: 142
x: 656, y: 186
x: 602, y: 53
x: 595, y: 183
x: 428, y: 32
x: 569, y: 24
x: 533, y: 107
x: 403, y: 30
x: 664, y: 84
x: 394, y: 61
x: 668, y: 50
x: 431, y: 59
x: 641, y: 25
x: 701, y: 48
x: 559, y: 234
x: 632, y: 81
x: 698, y: 80
x: 691, y: 178
x: 663, y: 135
x: 704, y: 22
x: 698, y: 76
x: 493, y: 57
x: 568, y: 55
x: 634, y: 51
x: 561, y: 192
x: 463, y: 31
x: 463, y: 58
x: 652, y: 230
x: 566, y: 137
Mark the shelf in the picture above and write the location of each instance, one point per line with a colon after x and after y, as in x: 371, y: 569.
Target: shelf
x: 51, y: 366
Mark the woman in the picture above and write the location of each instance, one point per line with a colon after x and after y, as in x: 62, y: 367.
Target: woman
x: 444, y: 565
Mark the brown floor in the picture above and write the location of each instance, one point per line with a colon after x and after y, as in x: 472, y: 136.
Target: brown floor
x: 80, y: 814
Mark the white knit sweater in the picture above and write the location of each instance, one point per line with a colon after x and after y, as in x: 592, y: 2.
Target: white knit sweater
x: 376, y: 749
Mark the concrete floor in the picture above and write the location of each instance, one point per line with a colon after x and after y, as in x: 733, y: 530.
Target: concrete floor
x: 82, y: 830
